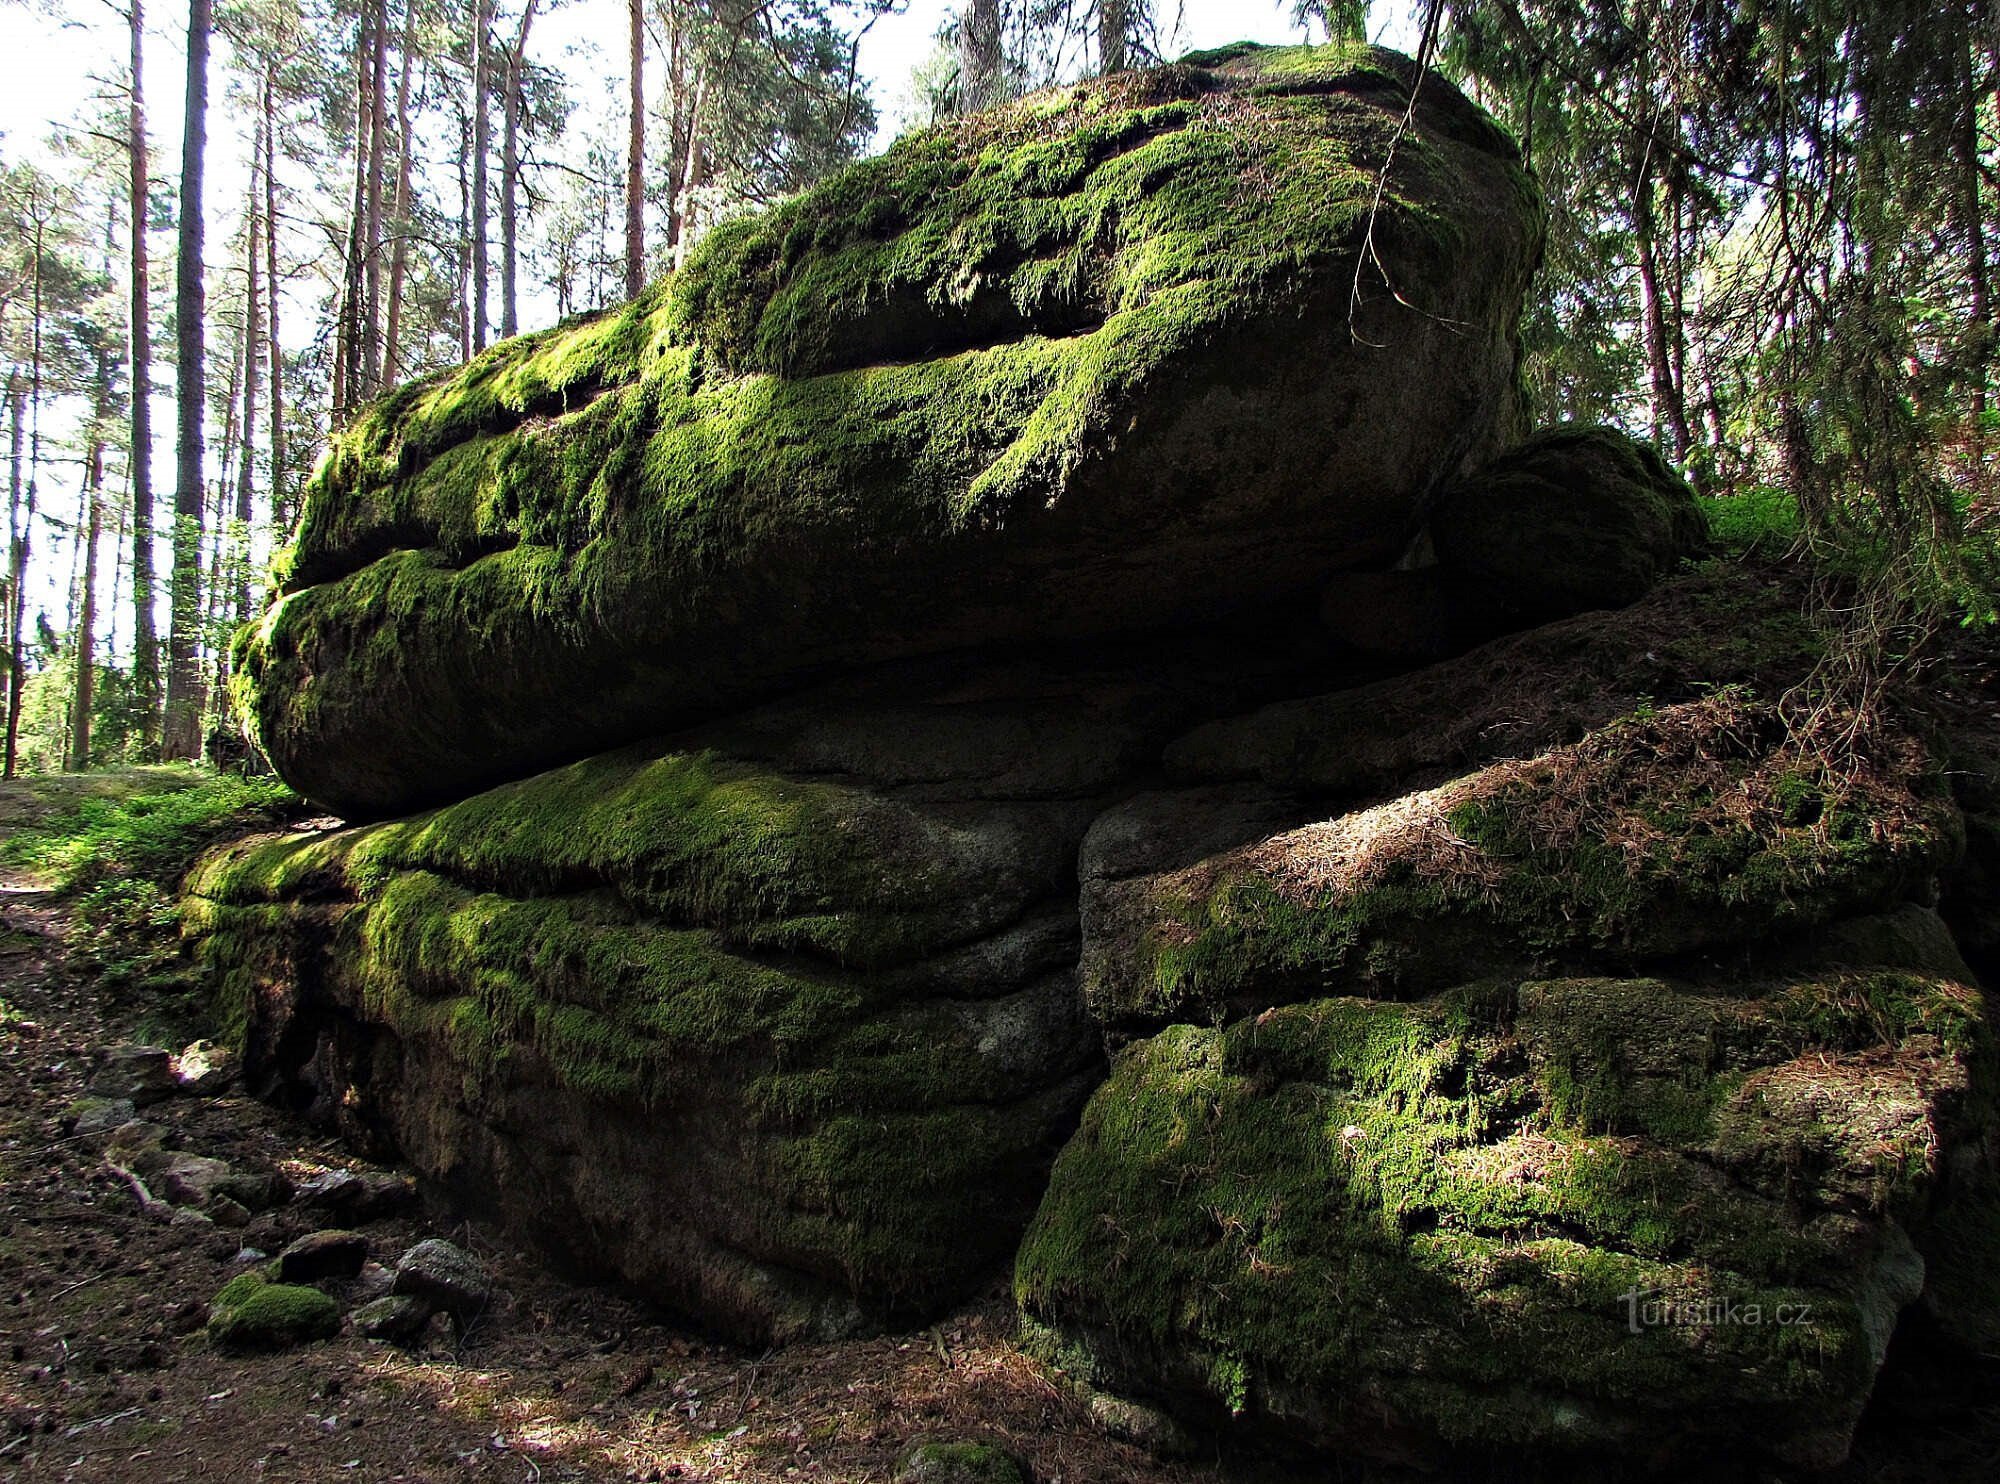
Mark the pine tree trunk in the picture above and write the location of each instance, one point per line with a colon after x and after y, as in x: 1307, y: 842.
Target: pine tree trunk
x: 23, y: 526
x: 281, y: 511
x: 145, y: 634
x: 399, y: 223
x: 17, y: 536
x: 1114, y: 26
x: 83, y: 697
x: 181, y: 734
x: 253, y: 353
x: 635, y: 154
x: 482, y: 143
x: 982, y: 66
x: 510, y: 180
x: 371, y: 233
x: 1669, y: 412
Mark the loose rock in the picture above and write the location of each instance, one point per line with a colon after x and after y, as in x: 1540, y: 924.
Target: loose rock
x: 446, y: 1277
x: 323, y: 1254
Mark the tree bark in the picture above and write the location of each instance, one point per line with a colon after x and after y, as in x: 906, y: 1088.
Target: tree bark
x: 371, y: 235
x: 635, y: 154
x: 1669, y: 412
x: 982, y: 67
x: 181, y: 734
x: 281, y: 513
x: 482, y: 142
x: 1114, y: 28
x: 399, y: 212
x: 253, y: 352
x: 18, y: 519
x: 83, y: 697
x: 510, y: 181
x: 145, y: 634
x: 23, y: 524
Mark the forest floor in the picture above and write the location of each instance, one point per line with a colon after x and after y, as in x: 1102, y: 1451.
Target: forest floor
x: 107, y: 1374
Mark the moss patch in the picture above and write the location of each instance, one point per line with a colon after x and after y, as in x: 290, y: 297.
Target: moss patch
x: 1366, y: 1220
x: 250, y: 1312
x: 933, y: 355
x: 1672, y: 830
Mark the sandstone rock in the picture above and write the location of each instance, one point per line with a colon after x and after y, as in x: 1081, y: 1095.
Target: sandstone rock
x: 205, y: 1068
x: 838, y: 1020
x: 1045, y: 374
x: 95, y: 1117
x: 372, y: 1282
x: 958, y: 1463
x: 252, y: 1313
x: 396, y: 1317
x: 194, y: 1179
x: 1520, y: 694
x: 358, y: 1198
x: 1575, y: 518
x: 445, y: 1277
x: 323, y: 1254
x: 1577, y: 1216
x: 1688, y: 829
x: 139, y: 1074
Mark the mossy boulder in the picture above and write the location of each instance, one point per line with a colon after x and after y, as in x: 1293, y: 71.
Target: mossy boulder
x: 791, y: 1055
x: 250, y: 1312
x: 1639, y: 1218
x: 1084, y: 365
x: 1576, y: 518
x: 1678, y: 830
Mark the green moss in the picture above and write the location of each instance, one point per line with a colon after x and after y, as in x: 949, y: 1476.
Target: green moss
x: 1675, y: 829
x: 250, y: 1312
x: 924, y: 349
x: 1441, y: 1209
x: 665, y: 931
x: 958, y: 1463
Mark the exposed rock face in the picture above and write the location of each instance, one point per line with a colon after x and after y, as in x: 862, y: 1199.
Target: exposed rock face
x: 1473, y: 1032
x: 1573, y: 519
x: 1441, y: 1089
x: 1082, y: 365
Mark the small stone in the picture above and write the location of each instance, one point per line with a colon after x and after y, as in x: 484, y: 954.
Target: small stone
x: 358, y: 1199
x: 226, y: 1212
x: 398, y: 1316
x: 249, y: 1313
x: 1143, y: 1426
x: 145, y: 1074
x: 448, y: 1277
x: 205, y: 1068
x: 94, y: 1117
x: 372, y: 1282
x: 194, y: 1179
x: 249, y: 1254
x: 959, y: 1463
x: 323, y: 1254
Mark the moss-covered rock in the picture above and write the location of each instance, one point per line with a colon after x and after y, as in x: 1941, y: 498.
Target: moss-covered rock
x: 1084, y: 364
x: 1724, y: 624
x: 1674, y: 830
x: 790, y: 1055
x: 250, y: 1312
x: 1575, y: 518
x: 1638, y: 1216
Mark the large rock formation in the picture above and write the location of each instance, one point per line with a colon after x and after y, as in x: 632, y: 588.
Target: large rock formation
x: 1089, y: 363
x: 1461, y: 1055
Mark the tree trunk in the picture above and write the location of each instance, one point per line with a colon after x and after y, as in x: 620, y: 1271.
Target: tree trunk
x: 145, y: 635
x: 17, y: 539
x: 253, y: 352
x: 461, y: 265
x: 635, y: 154
x: 982, y: 67
x: 1114, y: 28
x: 83, y: 697
x: 482, y: 140
x: 1669, y: 412
x: 371, y: 234
x: 181, y: 734
x: 510, y: 180
x: 399, y: 213
x: 281, y: 511
x: 23, y: 531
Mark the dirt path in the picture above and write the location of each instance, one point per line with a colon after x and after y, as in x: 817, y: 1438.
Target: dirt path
x: 109, y: 1375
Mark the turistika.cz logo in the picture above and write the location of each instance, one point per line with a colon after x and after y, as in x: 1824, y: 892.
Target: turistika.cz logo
x: 1651, y: 1308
